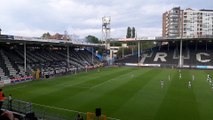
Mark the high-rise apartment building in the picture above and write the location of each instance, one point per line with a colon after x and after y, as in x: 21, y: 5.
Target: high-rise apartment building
x: 187, y: 23
x: 172, y: 22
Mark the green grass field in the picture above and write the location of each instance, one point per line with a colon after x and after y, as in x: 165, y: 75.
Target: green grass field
x: 124, y: 93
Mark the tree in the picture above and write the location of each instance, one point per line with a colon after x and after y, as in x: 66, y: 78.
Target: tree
x: 115, y: 43
x: 128, y: 34
x: 92, y: 39
x: 131, y: 43
x: 133, y: 32
x: 46, y: 35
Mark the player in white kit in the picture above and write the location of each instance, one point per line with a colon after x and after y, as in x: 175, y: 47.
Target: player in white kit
x: 189, y: 84
x: 162, y: 83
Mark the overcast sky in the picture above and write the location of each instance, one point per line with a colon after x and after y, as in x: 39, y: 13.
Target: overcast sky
x: 84, y: 17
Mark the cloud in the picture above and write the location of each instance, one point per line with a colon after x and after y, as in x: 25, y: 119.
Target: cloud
x: 83, y: 17
x: 29, y: 32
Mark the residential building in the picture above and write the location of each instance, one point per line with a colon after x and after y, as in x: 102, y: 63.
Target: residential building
x: 188, y: 23
x: 172, y: 22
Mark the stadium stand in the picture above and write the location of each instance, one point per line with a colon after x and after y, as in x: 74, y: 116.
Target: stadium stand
x: 195, y: 54
x: 164, y: 55
x: 130, y: 59
x: 44, y: 58
x: 49, y: 60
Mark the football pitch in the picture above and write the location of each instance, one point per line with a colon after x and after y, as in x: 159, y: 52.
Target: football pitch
x: 124, y: 93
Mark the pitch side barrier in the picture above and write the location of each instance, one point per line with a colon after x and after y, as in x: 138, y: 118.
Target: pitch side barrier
x: 170, y: 66
x: 21, y: 109
x: 151, y: 65
x: 24, y: 110
x: 142, y: 65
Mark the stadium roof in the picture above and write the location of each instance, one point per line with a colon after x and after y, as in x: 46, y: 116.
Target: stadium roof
x: 38, y: 40
x: 162, y: 39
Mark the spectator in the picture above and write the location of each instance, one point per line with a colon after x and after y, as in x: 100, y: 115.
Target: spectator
x: 1, y: 98
x: 7, y: 115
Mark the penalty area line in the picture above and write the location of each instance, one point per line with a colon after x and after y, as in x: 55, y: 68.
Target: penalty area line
x: 69, y: 110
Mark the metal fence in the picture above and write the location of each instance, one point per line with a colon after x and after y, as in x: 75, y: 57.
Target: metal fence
x: 22, y: 109
x: 18, y: 106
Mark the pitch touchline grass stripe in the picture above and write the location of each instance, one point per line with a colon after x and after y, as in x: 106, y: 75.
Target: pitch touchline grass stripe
x: 69, y: 110
x: 178, y: 101
x: 191, y: 93
x: 203, y: 94
x: 148, y: 101
x: 141, y: 82
x: 135, y: 84
x: 19, y: 87
x: 111, y: 79
x: 104, y: 88
x: 75, y: 86
x: 106, y: 77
